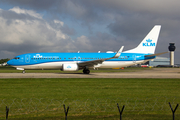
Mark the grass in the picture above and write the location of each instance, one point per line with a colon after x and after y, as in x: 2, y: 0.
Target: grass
x: 88, y: 88
x: 99, y: 92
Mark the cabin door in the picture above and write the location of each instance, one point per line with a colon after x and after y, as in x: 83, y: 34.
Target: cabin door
x: 27, y: 58
x: 134, y: 58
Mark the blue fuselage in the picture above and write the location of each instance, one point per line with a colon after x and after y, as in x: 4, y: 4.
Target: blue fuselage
x: 55, y: 60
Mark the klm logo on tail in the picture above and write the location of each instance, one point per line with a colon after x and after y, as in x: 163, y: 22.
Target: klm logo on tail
x: 148, y: 43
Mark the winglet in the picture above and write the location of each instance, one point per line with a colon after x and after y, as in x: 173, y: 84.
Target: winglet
x: 119, y: 52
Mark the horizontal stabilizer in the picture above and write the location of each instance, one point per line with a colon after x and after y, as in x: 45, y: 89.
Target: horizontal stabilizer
x: 155, y: 54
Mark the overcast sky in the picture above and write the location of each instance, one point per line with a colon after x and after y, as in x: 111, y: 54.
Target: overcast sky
x: 28, y: 26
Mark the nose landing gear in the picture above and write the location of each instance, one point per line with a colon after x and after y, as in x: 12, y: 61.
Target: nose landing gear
x: 23, y: 72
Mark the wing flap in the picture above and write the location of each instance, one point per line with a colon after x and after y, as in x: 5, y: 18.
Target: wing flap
x: 90, y: 63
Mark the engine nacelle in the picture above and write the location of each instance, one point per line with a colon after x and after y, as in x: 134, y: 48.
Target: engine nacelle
x: 70, y: 67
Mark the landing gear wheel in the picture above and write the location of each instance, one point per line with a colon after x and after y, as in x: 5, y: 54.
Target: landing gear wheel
x: 23, y: 72
x: 86, y: 71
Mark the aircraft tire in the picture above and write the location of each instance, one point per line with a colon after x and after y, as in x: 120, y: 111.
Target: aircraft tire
x: 86, y: 71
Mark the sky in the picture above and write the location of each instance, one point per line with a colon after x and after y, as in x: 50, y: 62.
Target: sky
x: 32, y: 26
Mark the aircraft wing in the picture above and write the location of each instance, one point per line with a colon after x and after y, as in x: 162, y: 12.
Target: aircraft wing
x: 157, y: 54
x: 99, y: 61
x: 91, y: 63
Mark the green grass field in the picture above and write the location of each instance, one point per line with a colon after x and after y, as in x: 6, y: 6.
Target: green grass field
x: 87, y: 98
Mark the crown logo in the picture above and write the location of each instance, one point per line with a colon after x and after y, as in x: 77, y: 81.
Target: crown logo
x: 69, y: 66
x: 148, y: 40
x: 38, y: 56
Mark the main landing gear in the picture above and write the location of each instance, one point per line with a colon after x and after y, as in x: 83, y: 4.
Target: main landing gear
x: 86, y: 71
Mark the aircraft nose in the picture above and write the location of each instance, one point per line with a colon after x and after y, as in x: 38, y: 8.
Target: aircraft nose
x: 10, y: 62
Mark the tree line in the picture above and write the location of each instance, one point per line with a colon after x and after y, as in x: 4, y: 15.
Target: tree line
x: 4, y: 60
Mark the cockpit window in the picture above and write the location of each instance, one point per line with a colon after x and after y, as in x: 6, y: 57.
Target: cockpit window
x: 17, y: 58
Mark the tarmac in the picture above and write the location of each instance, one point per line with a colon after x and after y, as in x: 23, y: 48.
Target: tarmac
x: 152, y: 73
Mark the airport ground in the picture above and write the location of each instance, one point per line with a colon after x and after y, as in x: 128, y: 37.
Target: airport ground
x: 122, y: 73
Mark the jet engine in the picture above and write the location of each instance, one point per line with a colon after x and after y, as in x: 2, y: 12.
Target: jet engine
x: 70, y: 67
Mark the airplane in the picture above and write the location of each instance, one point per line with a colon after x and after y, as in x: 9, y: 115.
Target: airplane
x: 84, y: 61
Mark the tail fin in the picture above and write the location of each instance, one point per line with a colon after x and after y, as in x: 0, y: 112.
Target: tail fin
x: 148, y: 44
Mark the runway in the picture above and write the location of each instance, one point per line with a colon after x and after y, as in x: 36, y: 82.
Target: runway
x: 153, y: 73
